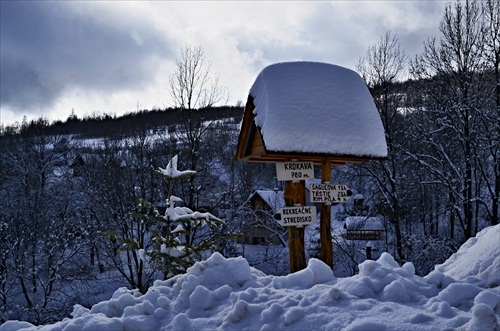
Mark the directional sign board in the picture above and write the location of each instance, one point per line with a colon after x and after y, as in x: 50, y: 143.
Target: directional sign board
x: 295, y: 170
x: 328, y: 193
x: 297, y: 216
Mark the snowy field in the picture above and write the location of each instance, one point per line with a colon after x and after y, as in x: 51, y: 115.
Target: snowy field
x: 227, y: 294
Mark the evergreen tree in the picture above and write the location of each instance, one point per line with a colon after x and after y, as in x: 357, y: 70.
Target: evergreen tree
x: 180, y: 236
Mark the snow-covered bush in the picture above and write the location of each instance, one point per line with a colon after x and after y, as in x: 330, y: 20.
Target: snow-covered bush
x: 425, y: 251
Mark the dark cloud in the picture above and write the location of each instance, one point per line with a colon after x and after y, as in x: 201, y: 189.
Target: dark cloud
x: 48, y: 48
x: 343, y: 37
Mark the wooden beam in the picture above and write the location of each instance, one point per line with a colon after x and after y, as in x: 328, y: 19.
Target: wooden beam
x: 273, y: 157
x: 246, y: 132
x: 257, y: 144
x: 295, y: 193
x: 325, y: 234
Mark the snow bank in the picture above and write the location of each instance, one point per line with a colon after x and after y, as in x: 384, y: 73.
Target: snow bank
x: 328, y: 104
x: 227, y: 294
x: 477, y: 261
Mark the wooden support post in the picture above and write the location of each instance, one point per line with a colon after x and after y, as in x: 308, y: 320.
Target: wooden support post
x: 325, y: 225
x: 295, y: 193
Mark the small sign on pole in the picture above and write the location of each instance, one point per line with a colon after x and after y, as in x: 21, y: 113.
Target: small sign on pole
x: 328, y: 193
x: 294, y: 170
x: 296, y: 216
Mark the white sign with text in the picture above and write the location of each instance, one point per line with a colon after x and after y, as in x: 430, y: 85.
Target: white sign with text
x: 294, y: 170
x: 297, y: 216
x: 328, y: 193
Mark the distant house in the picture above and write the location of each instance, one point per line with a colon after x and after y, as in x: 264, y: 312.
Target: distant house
x: 364, y: 228
x: 260, y: 226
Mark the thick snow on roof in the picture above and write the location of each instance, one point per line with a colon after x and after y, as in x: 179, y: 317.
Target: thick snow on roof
x: 228, y: 294
x: 317, y: 107
x: 275, y: 199
x: 364, y: 223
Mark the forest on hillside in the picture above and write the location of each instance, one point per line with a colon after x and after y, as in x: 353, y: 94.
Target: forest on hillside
x: 81, y: 199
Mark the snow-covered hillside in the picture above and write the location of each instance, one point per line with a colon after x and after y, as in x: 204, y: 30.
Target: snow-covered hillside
x: 227, y: 294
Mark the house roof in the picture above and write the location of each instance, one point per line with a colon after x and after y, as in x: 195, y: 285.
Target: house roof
x: 314, y: 109
x: 274, y: 199
x: 363, y: 223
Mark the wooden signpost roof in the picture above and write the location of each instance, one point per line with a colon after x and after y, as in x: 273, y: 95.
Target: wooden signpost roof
x: 310, y: 111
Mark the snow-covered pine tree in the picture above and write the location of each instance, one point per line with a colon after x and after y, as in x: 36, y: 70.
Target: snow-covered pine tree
x: 181, y: 236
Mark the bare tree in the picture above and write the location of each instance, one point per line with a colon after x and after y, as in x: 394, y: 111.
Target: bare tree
x: 491, y: 120
x: 194, y: 88
x: 42, y: 231
x: 382, y: 68
x: 453, y: 69
x: 384, y: 62
x: 117, y: 177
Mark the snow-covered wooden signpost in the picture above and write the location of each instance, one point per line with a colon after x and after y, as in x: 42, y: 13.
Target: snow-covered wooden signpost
x: 303, y: 113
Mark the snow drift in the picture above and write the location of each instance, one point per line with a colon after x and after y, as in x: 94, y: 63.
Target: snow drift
x: 227, y: 294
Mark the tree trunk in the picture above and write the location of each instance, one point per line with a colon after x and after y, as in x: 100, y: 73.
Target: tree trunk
x: 452, y: 224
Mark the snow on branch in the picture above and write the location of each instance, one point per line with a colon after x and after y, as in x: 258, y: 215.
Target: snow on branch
x: 179, y: 214
x: 171, y: 171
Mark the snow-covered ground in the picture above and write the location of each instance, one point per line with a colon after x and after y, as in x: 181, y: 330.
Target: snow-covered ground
x: 227, y: 294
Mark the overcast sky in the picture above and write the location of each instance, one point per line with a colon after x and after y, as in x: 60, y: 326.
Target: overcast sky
x: 116, y: 56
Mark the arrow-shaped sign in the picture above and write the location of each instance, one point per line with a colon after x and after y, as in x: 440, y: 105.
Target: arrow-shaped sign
x: 296, y: 216
x: 329, y: 193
